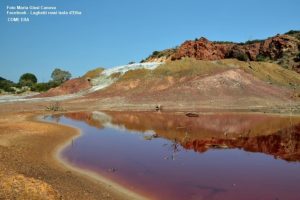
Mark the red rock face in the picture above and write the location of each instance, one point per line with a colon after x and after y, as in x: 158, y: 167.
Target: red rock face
x: 276, y: 46
x: 203, y: 49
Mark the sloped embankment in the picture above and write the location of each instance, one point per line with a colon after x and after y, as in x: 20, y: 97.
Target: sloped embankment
x: 69, y: 87
x: 95, y: 80
x: 207, y: 83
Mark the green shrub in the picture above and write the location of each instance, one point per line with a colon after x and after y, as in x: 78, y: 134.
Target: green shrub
x: 159, y: 54
x: 242, y: 57
x: 252, y: 42
x: 261, y: 58
x: 223, y: 42
x: 155, y: 53
x: 292, y: 32
x: 42, y: 87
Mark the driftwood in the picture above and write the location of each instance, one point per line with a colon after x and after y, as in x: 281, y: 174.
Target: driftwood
x: 192, y: 114
x: 55, y: 107
x: 158, y: 108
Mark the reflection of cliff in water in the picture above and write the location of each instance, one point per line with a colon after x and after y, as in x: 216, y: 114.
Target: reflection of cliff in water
x: 274, y: 135
x: 284, y: 144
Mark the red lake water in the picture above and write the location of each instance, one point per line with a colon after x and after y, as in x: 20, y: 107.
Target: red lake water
x: 172, y: 156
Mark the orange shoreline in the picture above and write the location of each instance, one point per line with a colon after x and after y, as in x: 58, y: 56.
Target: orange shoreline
x: 30, y: 166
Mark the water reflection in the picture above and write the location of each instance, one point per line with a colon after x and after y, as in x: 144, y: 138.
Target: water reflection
x: 171, y: 156
x: 275, y: 135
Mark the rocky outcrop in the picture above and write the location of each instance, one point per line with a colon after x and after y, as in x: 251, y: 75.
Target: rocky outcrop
x: 202, y: 49
x: 280, y: 49
x: 279, y: 46
x: 273, y: 48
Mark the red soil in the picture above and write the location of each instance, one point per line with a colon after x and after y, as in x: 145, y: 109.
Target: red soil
x: 69, y: 87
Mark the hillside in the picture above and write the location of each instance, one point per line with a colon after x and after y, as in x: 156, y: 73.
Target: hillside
x: 195, y: 83
x: 69, y: 87
x: 198, y: 74
x: 280, y: 49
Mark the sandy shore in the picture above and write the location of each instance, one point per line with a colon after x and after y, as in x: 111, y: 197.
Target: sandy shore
x: 29, y: 168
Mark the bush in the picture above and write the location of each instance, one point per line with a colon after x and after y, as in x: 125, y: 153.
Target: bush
x: 155, y: 53
x: 252, y: 42
x: 242, y: 57
x: 261, y: 58
x: 292, y: 32
x: 42, y: 87
x: 223, y: 42
x: 237, y: 53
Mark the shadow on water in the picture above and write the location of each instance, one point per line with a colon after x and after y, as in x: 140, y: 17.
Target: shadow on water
x: 171, y: 156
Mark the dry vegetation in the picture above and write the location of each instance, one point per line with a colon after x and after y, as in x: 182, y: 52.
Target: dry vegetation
x: 268, y: 72
x: 93, y: 73
x: 135, y: 74
x: 115, y: 75
x: 188, y: 67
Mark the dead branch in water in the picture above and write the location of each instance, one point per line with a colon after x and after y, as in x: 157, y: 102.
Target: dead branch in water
x: 55, y: 107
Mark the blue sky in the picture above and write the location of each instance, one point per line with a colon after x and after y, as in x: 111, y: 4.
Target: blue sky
x: 115, y: 32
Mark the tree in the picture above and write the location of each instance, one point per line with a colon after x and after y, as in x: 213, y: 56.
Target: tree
x: 27, y: 79
x: 6, y: 85
x: 60, y: 76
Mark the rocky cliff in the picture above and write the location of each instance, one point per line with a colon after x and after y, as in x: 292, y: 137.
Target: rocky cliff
x: 281, y: 49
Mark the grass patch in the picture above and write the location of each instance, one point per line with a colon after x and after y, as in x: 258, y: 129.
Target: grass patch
x: 115, y: 75
x: 134, y: 74
x: 268, y: 72
x: 164, y: 53
x: 187, y: 67
x: 93, y: 73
